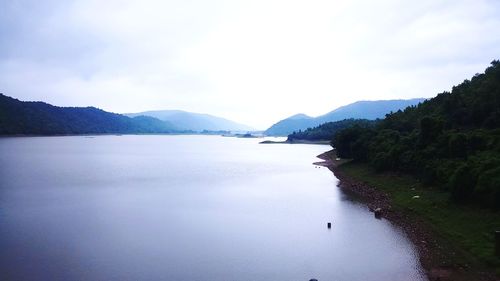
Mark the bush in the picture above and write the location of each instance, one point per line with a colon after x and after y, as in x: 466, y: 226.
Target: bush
x: 488, y: 187
x: 462, y: 184
x: 382, y: 161
x: 457, y: 145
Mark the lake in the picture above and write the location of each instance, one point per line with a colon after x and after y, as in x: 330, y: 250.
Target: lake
x: 185, y: 208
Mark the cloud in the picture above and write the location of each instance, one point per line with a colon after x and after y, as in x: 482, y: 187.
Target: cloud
x: 252, y: 61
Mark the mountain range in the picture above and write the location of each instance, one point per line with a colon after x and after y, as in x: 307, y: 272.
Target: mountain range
x: 358, y: 110
x: 40, y: 118
x: 25, y: 117
x: 190, y: 121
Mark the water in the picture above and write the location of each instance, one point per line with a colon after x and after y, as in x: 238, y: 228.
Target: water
x: 185, y: 208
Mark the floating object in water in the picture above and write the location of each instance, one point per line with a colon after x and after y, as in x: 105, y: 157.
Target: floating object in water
x: 415, y: 197
x: 378, y: 213
x: 329, y: 225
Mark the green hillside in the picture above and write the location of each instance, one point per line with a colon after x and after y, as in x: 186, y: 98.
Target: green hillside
x: 327, y: 130
x: 39, y: 118
x: 451, y: 141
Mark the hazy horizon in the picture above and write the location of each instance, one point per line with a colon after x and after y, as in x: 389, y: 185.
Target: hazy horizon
x: 201, y: 113
x: 251, y: 62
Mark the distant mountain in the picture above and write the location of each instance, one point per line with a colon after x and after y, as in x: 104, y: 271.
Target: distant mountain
x: 193, y: 121
x: 291, y: 124
x: 39, y: 118
x: 359, y: 110
x: 300, y: 116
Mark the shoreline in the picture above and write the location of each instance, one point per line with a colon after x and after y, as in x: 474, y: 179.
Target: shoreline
x: 107, y: 134
x: 433, y: 253
x: 295, y: 142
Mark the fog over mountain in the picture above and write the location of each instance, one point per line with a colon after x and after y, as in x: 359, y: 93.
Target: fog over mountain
x: 184, y: 120
x: 251, y: 61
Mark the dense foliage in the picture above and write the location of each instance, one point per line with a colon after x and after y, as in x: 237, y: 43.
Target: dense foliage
x: 38, y: 118
x: 327, y: 130
x: 451, y: 141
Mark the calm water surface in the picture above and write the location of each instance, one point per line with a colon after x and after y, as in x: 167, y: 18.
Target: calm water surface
x: 185, y: 208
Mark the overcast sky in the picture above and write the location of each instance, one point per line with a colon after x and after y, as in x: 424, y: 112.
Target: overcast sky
x: 254, y: 62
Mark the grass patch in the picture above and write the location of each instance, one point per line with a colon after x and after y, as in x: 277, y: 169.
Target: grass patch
x: 468, y: 229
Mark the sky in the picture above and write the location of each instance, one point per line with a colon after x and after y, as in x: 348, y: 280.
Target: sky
x: 254, y: 62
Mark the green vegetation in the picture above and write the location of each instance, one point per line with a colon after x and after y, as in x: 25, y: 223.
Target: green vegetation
x: 468, y: 228
x: 38, y: 118
x: 327, y: 130
x: 451, y: 141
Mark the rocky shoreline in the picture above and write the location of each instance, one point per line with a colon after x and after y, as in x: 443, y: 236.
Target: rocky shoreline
x: 434, y: 257
x: 321, y: 142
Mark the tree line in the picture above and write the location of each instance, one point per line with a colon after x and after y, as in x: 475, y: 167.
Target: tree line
x: 451, y: 141
x: 327, y: 130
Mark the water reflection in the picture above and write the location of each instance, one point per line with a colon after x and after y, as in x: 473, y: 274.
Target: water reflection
x: 184, y: 208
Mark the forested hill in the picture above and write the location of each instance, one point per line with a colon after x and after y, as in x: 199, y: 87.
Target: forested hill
x: 327, y: 130
x: 39, y: 118
x: 451, y: 141
x: 357, y: 110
